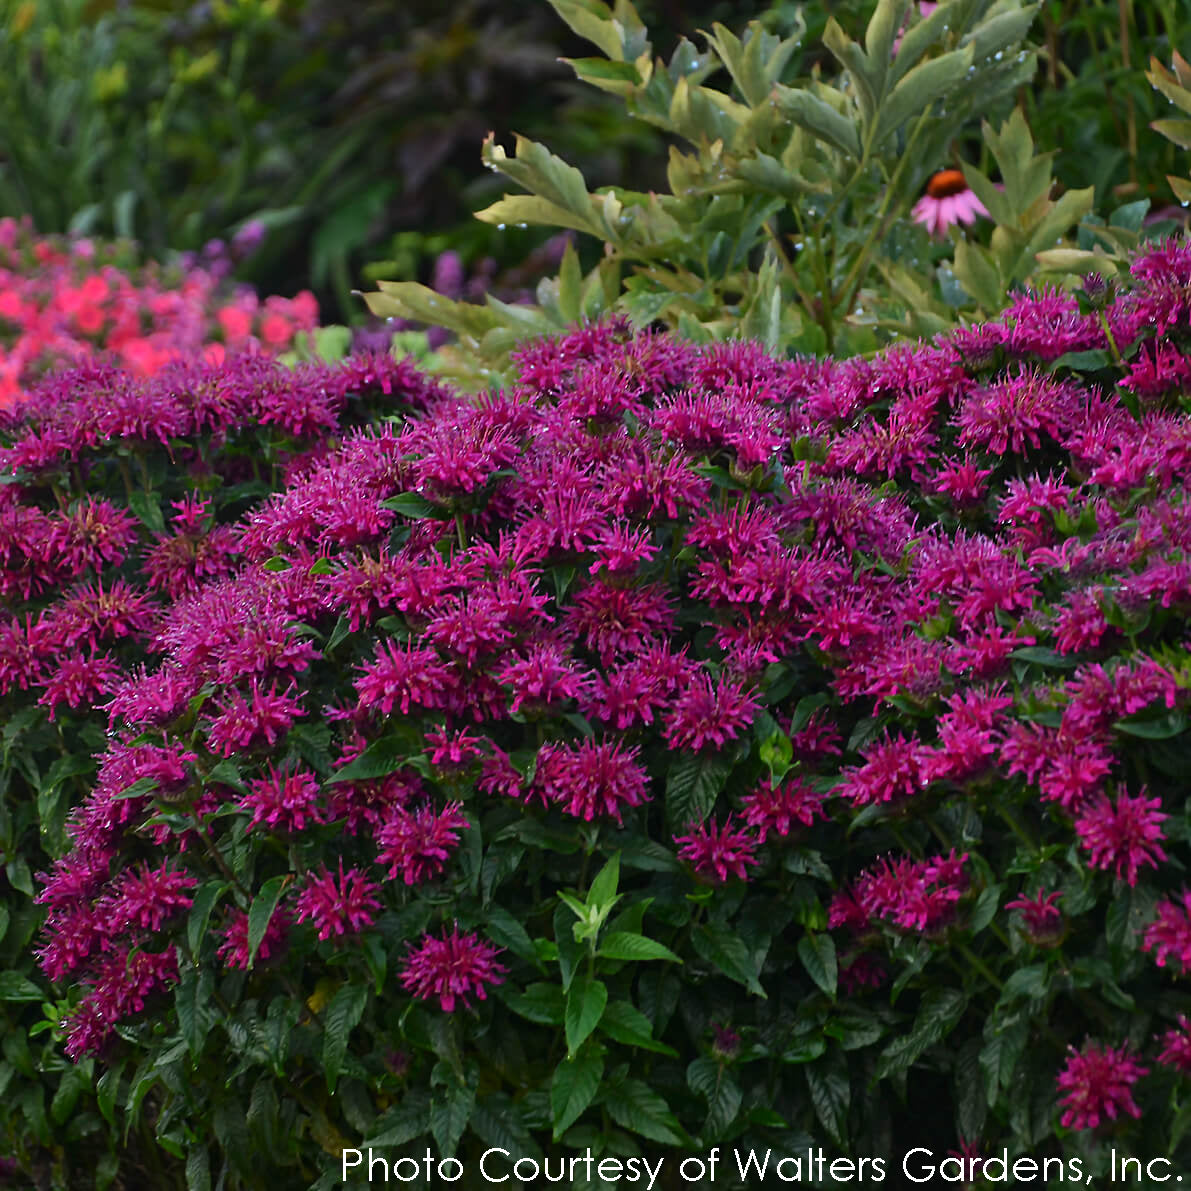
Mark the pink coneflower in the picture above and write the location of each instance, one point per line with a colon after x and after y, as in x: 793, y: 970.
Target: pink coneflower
x: 1098, y: 1082
x: 455, y: 967
x: 346, y: 907
x: 947, y: 200
x: 718, y: 852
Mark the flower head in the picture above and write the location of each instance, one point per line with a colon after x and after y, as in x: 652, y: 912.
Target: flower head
x: 947, y: 200
x: 452, y: 968
x: 1098, y: 1082
x: 338, y: 908
x: 717, y: 852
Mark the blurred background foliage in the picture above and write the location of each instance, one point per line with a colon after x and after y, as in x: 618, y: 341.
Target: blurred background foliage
x: 353, y: 131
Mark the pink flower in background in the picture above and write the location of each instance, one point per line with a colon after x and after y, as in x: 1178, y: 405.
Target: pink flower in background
x: 947, y: 200
x: 1098, y: 1082
x: 452, y: 968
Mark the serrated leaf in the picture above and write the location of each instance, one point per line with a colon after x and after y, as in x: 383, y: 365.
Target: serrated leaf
x: 817, y: 952
x: 400, y: 1124
x: 624, y: 1023
x: 341, y: 1017
x: 147, y: 510
x: 504, y: 930
x: 636, y: 1107
x: 939, y: 1011
x: 831, y: 1094
x: 1004, y: 1043
x: 573, y: 1088
x: 971, y: 1100
x: 692, y: 785
x: 498, y: 1122
x: 261, y: 912
x: 627, y: 945
x: 586, y: 1001
x: 727, y: 952
x: 540, y: 1002
x: 450, y: 1110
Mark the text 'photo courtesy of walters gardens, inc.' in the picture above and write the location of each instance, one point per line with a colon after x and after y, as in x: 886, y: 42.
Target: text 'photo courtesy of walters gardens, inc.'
x: 731, y: 1167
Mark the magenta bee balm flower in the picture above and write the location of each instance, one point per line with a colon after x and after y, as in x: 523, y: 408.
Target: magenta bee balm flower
x: 452, y: 968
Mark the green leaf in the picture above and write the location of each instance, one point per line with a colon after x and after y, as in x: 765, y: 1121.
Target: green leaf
x: 928, y: 82
x: 403, y: 1122
x: 1163, y: 728
x: 977, y: 273
x: 415, y: 506
x: 381, y: 757
x: 205, y: 898
x: 603, y: 889
x: 817, y: 952
x: 504, y: 930
x: 831, y: 1093
x: 939, y: 1011
x: 727, y: 952
x: 971, y: 1101
x: 819, y: 118
x: 15, y: 987
x: 1004, y: 1044
x: 623, y: 1022
x: 636, y: 1107
x: 198, y: 1169
x: 692, y: 784
x: 450, y: 1110
x: 332, y: 342
x: 592, y: 20
x: 261, y: 912
x: 341, y: 1017
x: 626, y: 945
x: 573, y: 1088
x: 549, y: 178
x: 586, y: 1001
x: 540, y: 1002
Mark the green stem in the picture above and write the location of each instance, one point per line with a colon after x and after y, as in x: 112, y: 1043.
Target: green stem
x: 980, y: 966
x: 852, y: 282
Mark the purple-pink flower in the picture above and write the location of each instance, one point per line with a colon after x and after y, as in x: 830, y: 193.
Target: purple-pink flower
x: 947, y: 200
x: 1097, y: 1085
x: 717, y: 853
x: 452, y: 968
x: 346, y: 906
